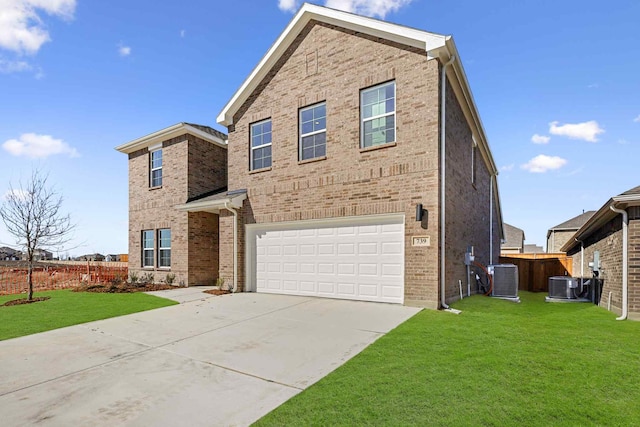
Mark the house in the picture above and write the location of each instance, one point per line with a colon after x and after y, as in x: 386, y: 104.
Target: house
x: 39, y: 255
x: 559, y: 235
x: 608, y: 245
x: 533, y: 249
x: 358, y: 168
x: 514, y: 240
x: 182, y: 163
x: 91, y: 257
x: 9, y: 254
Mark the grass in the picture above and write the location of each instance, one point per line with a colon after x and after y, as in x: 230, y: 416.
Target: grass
x: 66, y: 308
x: 496, y: 364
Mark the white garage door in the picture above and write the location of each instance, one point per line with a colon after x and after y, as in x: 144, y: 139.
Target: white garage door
x: 357, y: 258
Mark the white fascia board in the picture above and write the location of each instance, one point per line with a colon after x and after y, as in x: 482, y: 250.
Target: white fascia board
x: 385, y: 30
x: 234, y: 201
x: 168, y: 133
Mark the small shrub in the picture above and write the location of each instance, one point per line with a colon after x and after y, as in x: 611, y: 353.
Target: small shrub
x: 220, y: 282
x: 170, y: 278
x: 147, y: 278
x: 133, y: 277
x: 117, y: 280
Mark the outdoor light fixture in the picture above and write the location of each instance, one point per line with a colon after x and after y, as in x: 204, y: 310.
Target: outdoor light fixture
x: 422, y: 215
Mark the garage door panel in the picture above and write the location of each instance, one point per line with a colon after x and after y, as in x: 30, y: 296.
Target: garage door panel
x: 346, y: 259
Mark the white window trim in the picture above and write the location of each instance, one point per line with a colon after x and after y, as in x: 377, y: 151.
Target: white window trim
x: 152, y: 169
x: 379, y: 116
x: 145, y: 249
x: 315, y: 132
x: 161, y: 248
x: 259, y: 146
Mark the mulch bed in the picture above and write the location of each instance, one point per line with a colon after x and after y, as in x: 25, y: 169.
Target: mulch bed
x: 24, y: 301
x: 122, y: 288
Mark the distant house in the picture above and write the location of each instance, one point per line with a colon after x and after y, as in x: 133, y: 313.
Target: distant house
x: 559, y: 235
x: 39, y: 255
x: 91, y: 257
x: 8, y: 254
x: 610, y: 241
x: 514, y: 240
x: 112, y: 258
x: 533, y: 249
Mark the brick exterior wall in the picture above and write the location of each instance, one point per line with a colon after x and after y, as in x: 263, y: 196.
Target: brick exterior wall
x: 320, y: 66
x: 557, y: 239
x: 191, y: 166
x: 608, y: 241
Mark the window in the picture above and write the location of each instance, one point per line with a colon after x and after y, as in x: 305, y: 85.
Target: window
x: 313, y: 131
x: 164, y: 247
x: 261, y: 145
x: 378, y: 115
x: 155, y: 177
x: 147, y: 248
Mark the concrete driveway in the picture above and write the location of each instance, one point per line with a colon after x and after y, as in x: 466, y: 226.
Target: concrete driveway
x: 209, y: 361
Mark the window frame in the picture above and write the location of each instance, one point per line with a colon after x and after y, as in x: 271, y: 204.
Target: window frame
x: 153, y: 169
x: 312, y: 133
x: 146, y: 249
x: 163, y: 248
x: 364, y: 119
x: 252, y: 148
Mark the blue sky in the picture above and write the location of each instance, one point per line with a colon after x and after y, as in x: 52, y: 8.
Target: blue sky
x: 557, y: 85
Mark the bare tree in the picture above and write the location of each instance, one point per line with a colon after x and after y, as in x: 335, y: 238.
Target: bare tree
x: 32, y: 214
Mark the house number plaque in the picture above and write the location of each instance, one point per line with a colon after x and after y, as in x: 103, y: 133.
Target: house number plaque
x: 420, y: 240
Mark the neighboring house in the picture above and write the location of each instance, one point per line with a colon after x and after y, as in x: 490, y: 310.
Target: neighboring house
x: 8, y: 254
x: 561, y: 233
x: 112, y: 258
x: 39, y: 255
x: 615, y: 235
x: 513, y: 241
x: 91, y: 257
x: 334, y: 145
x: 533, y: 249
x: 181, y: 163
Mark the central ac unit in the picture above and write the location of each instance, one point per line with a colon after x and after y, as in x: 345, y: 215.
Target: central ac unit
x: 563, y: 287
x: 505, y: 280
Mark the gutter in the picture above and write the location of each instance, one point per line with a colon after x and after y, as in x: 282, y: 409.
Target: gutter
x: 625, y: 261
x: 443, y: 164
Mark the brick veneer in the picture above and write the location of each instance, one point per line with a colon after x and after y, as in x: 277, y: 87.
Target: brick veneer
x: 327, y: 63
x: 191, y: 166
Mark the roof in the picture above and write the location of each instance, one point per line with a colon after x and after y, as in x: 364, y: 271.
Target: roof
x: 205, y: 132
x: 533, y: 249
x: 514, y: 237
x: 574, y: 223
x: 213, y: 202
x: 603, y: 215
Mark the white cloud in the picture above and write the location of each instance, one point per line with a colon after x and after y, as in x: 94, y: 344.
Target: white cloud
x: 593, y: 86
x: 587, y: 131
x: 124, y: 50
x: 379, y: 8
x: 21, y: 27
x: 288, y: 5
x: 183, y: 33
x: 38, y: 146
x: 542, y: 163
x: 507, y: 168
x: 540, y: 139
x: 637, y: 119
x: 623, y: 141
x: 8, y: 66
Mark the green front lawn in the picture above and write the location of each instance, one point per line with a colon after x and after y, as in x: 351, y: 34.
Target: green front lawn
x: 66, y: 308
x: 496, y: 364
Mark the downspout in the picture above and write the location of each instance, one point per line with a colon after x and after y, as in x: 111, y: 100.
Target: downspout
x: 491, y: 219
x: 235, y: 244
x: 625, y: 239
x: 443, y: 162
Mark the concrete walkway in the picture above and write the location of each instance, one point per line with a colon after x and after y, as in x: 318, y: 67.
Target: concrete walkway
x: 209, y: 361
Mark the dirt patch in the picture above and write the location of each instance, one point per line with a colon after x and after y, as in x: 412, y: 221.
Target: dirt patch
x: 217, y: 291
x: 24, y: 301
x: 122, y: 288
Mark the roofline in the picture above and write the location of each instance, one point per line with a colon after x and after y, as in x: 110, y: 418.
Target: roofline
x: 601, y: 217
x: 233, y: 200
x: 394, y: 32
x: 168, y: 133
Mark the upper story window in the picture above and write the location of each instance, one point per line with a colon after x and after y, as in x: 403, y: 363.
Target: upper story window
x: 261, y: 145
x: 164, y: 247
x: 378, y: 115
x: 147, y: 248
x: 155, y: 174
x: 313, y: 131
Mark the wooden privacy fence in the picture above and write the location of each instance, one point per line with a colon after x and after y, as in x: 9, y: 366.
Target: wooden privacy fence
x: 534, y: 270
x: 47, y: 276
